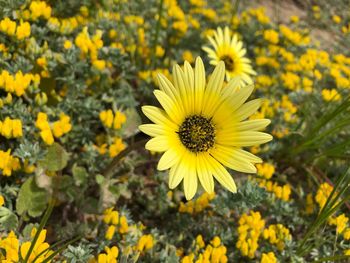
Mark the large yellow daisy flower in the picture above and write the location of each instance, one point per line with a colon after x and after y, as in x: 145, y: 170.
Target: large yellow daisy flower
x: 230, y: 50
x: 203, y: 127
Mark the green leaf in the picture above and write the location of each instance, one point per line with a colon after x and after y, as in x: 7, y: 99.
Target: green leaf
x: 133, y: 120
x: 55, y: 159
x: 31, y: 199
x: 80, y: 175
x: 100, y: 179
x: 8, y: 220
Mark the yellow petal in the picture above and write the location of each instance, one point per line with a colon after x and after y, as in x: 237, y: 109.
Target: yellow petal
x: 158, y: 144
x: 204, y: 175
x: 248, y: 109
x: 190, y: 178
x: 243, y: 139
x: 176, y: 174
x: 232, y: 159
x: 222, y: 175
x: 169, y: 159
x: 152, y: 129
x: 169, y: 106
x: 199, y: 84
x: 159, y: 116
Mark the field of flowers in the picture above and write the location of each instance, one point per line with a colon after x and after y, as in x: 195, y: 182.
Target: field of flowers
x: 173, y: 131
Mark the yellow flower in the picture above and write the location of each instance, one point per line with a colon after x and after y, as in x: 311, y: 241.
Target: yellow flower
x: 202, y: 128
x: 119, y: 119
x: 340, y: 222
x: 62, y: 126
x: 110, y: 256
x: 277, y: 235
x: 110, y: 232
x: 67, y: 44
x: 146, y: 242
x: 106, y: 118
x: 249, y: 231
x: 336, y: 19
x: 11, y: 246
x: 2, y: 200
x: 124, y: 227
x: 271, y: 36
x: 323, y: 193
x: 99, y: 64
x: 230, y: 50
x: 159, y: 51
x: 187, y: 56
x: 268, y: 258
x: 116, y: 147
x: 39, y: 9
x: 11, y: 128
x: 41, y: 62
x: 294, y: 19
x: 266, y: 170
x: 41, y: 247
x: 8, y: 163
x: 330, y: 95
x: 23, y: 30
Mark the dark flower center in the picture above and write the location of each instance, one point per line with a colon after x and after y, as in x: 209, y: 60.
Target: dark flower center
x: 229, y: 63
x: 197, y: 133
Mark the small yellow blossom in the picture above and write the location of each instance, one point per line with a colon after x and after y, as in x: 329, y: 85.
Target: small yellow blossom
x: 330, y: 95
x: 2, y: 200
x: 146, y: 242
x: 268, y: 258
x: 266, y: 170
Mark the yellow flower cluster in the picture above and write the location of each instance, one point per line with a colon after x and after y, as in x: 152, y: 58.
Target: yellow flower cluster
x: 331, y: 95
x: 58, y: 129
x: 271, y: 36
x: 8, y: 163
x: 294, y: 37
x: 340, y: 222
x: 277, y: 235
x: 18, y: 83
x: 110, y: 120
x: 265, y: 170
x: 91, y: 45
x: 38, y: 9
x: 10, y: 28
x: 116, y: 147
x: 322, y: 194
x: 268, y: 258
x: 215, y: 252
x: 258, y: 13
x: 11, y: 128
x: 281, y: 192
x: 250, y: 228
x: 110, y: 256
x: 146, y: 242
x: 14, y: 252
x: 264, y: 81
x: 198, y: 205
x: 111, y: 217
x: 175, y: 12
x: 62, y: 126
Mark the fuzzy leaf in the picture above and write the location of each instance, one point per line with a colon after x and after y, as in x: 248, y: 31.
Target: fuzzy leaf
x: 31, y: 199
x: 55, y: 159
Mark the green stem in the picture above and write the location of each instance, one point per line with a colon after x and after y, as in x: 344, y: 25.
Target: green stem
x: 41, y: 226
x: 155, y: 40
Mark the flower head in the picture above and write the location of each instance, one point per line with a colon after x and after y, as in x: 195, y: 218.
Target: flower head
x: 203, y: 127
x: 230, y: 50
